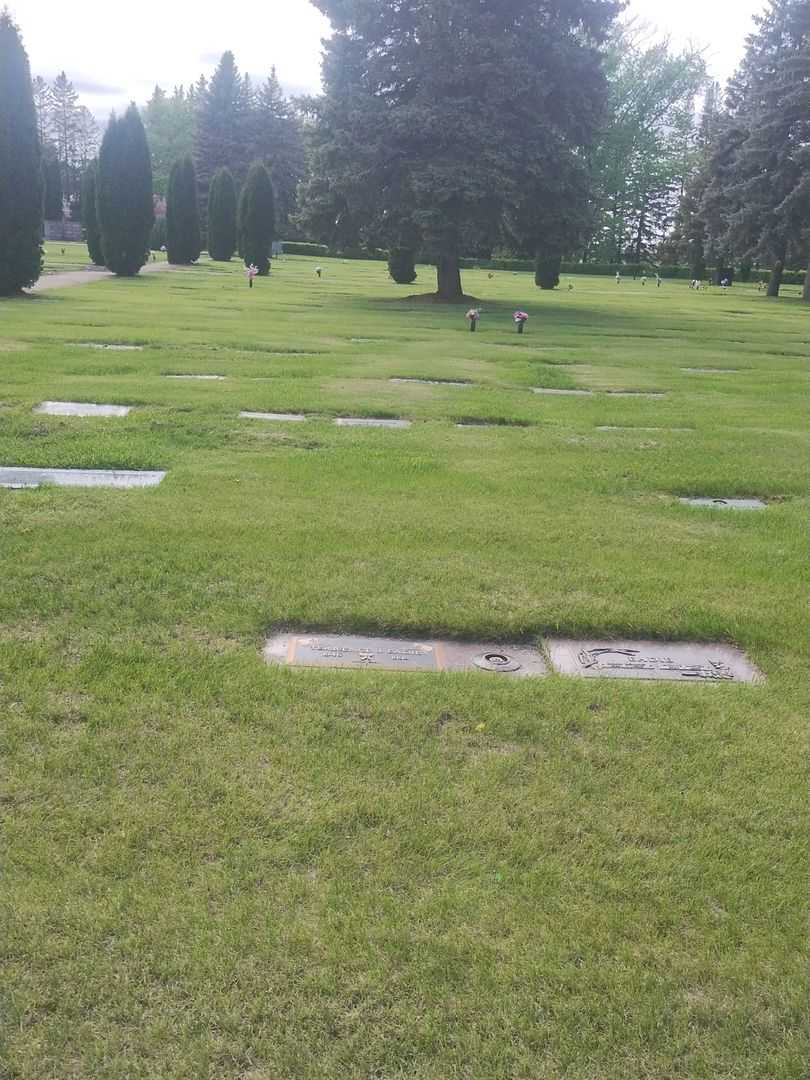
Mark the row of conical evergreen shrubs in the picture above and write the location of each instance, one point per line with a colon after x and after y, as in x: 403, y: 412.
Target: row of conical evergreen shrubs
x: 117, y: 201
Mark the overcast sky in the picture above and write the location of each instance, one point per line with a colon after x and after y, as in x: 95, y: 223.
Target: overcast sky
x: 115, y: 53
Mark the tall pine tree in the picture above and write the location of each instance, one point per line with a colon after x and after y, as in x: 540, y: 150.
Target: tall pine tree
x: 89, y: 215
x: 182, y: 214
x: 256, y: 222
x: 21, y: 184
x: 124, y: 194
x: 222, y: 216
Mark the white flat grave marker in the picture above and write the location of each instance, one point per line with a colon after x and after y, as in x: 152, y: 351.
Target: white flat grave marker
x: 217, y: 377
x: 395, y: 654
x: 17, y: 476
x: 552, y: 390
x: 81, y: 408
x: 370, y: 421
x: 726, y: 504
x: 711, y: 370
x: 297, y: 417
x: 671, y: 660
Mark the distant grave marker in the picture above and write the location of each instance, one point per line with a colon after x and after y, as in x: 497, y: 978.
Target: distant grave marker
x: 711, y: 370
x: 209, y: 377
x: 433, y: 382
x: 636, y: 393
x: 17, y: 476
x: 105, y: 345
x: 370, y: 421
x: 81, y: 408
x: 296, y: 417
x: 725, y: 504
x: 670, y: 660
x: 554, y: 390
x: 396, y: 654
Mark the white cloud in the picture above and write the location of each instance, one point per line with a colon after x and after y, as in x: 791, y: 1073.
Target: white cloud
x: 117, y: 53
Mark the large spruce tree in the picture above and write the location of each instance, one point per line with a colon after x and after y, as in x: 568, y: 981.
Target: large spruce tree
x: 21, y: 182
x: 449, y: 112
x: 256, y: 221
x: 757, y: 202
x: 183, y: 242
x: 90, y: 215
x: 124, y: 194
x: 222, y: 216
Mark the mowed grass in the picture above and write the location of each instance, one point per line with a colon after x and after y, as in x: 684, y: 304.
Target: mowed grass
x: 212, y: 868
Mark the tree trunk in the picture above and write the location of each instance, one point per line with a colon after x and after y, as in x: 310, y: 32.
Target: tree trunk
x: 806, y: 290
x: 776, y: 278
x: 448, y: 277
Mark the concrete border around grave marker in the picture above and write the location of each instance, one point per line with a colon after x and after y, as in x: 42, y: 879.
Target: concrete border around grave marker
x: 359, y: 652
x: 679, y: 661
x: 80, y: 408
x: 22, y: 476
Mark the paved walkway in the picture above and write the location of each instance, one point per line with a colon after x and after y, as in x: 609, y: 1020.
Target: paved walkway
x: 84, y: 277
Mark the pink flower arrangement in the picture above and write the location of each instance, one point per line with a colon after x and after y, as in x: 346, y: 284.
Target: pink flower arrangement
x: 252, y: 271
x: 520, y: 316
x: 473, y: 315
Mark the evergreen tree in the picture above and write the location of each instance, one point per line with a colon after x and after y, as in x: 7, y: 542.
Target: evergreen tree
x: 124, y: 194
x: 53, y: 188
x: 182, y: 214
x: 277, y: 139
x: 219, y: 138
x: 89, y: 215
x: 448, y: 117
x: 401, y: 266
x: 256, y: 219
x: 547, y: 271
x: 222, y: 216
x: 757, y: 203
x: 21, y: 184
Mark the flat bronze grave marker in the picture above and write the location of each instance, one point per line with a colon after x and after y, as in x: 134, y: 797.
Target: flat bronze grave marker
x: 370, y: 421
x: 677, y: 661
x: 726, y: 504
x: 294, y: 417
x: 80, y: 408
x: 396, y: 654
x: 17, y: 476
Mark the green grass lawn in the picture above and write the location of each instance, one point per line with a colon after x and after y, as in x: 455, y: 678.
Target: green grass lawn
x: 217, y: 869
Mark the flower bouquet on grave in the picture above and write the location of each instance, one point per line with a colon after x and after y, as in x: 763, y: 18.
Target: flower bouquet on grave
x: 251, y: 272
x: 520, y: 318
x: 472, y: 317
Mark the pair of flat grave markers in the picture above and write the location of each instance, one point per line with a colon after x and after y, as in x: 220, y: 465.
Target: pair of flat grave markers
x: 672, y: 661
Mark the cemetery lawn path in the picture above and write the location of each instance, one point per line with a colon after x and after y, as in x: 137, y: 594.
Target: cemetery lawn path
x: 214, y: 868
